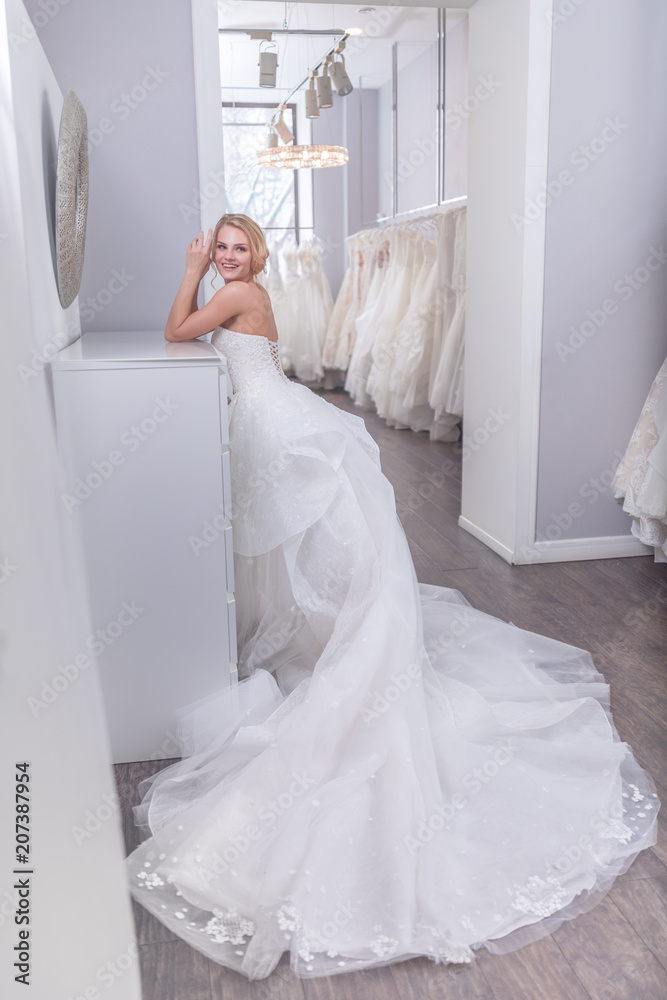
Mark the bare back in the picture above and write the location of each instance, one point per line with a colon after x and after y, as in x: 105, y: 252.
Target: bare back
x: 255, y: 316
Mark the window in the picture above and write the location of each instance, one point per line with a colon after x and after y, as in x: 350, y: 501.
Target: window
x: 268, y: 196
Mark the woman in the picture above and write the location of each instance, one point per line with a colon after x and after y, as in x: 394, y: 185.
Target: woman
x: 396, y: 774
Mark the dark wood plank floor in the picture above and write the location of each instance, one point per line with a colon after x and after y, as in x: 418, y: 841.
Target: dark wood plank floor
x: 617, y: 609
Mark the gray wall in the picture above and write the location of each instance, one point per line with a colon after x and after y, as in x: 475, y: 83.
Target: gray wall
x: 416, y: 127
x: 143, y: 157
x: 329, y: 193
x: 361, y: 130
x: 608, y: 64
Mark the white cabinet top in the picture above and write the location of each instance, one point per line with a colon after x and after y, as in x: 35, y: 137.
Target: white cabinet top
x: 131, y: 349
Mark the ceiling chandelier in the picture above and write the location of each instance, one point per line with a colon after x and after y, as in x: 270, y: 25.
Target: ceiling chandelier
x: 291, y: 157
x: 297, y: 157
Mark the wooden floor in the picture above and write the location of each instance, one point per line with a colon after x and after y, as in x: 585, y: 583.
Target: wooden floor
x: 617, y: 608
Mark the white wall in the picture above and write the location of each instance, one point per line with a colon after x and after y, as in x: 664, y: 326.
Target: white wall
x: 416, y: 126
x: 608, y: 66
x: 361, y: 133
x: 456, y: 109
x: 131, y: 65
x: 507, y: 156
x: 385, y: 145
x: 329, y: 193
x: 51, y: 712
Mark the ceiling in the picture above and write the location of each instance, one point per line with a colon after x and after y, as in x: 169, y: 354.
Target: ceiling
x: 367, y: 56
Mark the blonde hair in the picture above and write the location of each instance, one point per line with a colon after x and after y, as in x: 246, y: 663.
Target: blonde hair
x: 259, y: 251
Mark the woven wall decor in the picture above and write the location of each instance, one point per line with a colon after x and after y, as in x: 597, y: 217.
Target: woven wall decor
x: 71, y: 198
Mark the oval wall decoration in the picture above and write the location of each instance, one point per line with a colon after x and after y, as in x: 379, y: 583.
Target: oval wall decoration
x: 71, y: 198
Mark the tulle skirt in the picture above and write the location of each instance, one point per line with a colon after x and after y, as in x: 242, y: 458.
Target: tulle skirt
x: 396, y: 773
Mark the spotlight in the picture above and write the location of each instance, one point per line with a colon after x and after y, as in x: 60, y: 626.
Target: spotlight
x: 312, y: 108
x: 324, y: 94
x: 282, y: 129
x: 341, y: 80
x: 268, y: 62
x: 272, y: 141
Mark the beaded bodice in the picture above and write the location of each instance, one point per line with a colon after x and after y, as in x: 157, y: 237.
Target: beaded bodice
x: 252, y: 359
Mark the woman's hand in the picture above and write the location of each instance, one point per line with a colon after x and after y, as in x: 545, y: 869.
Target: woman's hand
x: 198, y: 255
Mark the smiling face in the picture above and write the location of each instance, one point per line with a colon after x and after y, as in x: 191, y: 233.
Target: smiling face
x: 232, y: 255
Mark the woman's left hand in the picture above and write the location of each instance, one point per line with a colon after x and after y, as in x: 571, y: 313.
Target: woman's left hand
x: 198, y: 254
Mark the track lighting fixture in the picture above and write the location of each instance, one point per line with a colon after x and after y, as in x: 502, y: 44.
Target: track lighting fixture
x: 268, y: 62
x: 324, y: 93
x: 282, y: 129
x: 312, y: 107
x: 341, y: 80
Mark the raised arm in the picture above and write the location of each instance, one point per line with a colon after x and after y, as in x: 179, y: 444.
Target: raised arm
x: 185, y: 320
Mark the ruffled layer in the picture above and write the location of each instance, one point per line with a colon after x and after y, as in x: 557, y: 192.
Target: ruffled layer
x: 397, y: 773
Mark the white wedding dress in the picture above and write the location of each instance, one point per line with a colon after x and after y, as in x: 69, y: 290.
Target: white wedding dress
x: 396, y: 774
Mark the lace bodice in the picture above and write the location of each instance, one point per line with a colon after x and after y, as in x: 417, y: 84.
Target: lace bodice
x: 253, y: 360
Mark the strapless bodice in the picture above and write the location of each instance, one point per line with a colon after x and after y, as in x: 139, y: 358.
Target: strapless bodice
x: 253, y: 360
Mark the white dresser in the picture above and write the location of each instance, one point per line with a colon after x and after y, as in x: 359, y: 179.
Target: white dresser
x: 142, y: 431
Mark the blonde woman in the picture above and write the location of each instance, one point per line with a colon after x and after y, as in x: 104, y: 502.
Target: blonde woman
x: 395, y: 774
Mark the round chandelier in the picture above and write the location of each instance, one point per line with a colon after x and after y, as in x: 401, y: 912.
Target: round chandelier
x: 297, y: 157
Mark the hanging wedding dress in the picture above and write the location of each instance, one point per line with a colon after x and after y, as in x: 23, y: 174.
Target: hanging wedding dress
x: 407, y: 259
x: 396, y: 774
x: 291, y: 329
x: 446, y: 384
x: 280, y: 301
x: 381, y: 301
x: 408, y: 404
x: 337, y: 318
x: 315, y: 304
x: 641, y: 478
x: 361, y: 257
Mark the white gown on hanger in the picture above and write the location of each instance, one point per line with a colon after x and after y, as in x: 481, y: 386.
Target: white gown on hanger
x: 408, y: 404
x: 396, y: 774
x: 290, y: 336
x: 315, y: 305
x: 280, y: 301
x: 366, y: 322
x: 641, y: 478
x: 446, y: 389
x: 396, y: 302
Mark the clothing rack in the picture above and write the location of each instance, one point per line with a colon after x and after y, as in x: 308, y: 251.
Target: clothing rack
x: 399, y: 349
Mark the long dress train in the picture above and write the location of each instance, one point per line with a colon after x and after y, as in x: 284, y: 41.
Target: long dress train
x: 396, y: 773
